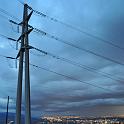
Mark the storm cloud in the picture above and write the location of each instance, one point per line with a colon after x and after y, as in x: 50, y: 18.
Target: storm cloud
x: 54, y: 94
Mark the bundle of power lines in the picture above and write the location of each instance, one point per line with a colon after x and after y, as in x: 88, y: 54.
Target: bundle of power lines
x: 14, y: 20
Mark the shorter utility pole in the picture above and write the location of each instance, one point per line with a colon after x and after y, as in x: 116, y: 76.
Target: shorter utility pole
x: 7, y: 110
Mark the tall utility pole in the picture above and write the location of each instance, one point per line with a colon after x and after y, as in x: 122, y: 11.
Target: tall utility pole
x: 27, y: 75
x: 20, y: 76
x: 7, y: 110
x: 24, y: 49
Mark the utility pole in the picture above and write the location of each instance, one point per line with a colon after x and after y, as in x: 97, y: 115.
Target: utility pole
x: 27, y: 73
x: 24, y: 49
x: 20, y: 76
x: 7, y: 110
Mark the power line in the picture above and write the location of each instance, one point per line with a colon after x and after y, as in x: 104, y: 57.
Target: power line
x: 77, y: 47
x: 10, y: 23
x: 43, y: 68
x: 63, y: 75
x: 43, y: 33
x: 8, y: 38
x: 4, y: 17
x: 72, y: 45
x: 77, y: 29
x: 14, y: 22
x: 66, y: 76
x: 88, y: 68
x: 58, y: 39
x: 20, y: 2
x: 7, y: 13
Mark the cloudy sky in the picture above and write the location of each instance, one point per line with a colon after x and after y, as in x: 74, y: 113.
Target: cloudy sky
x: 54, y: 94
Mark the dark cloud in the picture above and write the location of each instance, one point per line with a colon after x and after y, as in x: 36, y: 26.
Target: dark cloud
x: 51, y: 93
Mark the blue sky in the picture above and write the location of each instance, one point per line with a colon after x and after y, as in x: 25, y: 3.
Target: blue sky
x: 53, y: 94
